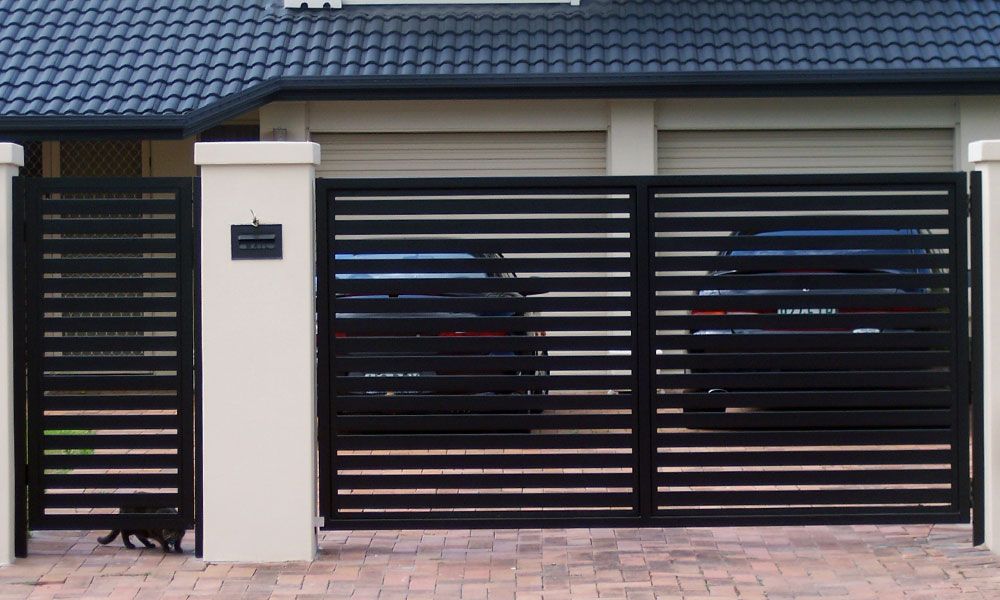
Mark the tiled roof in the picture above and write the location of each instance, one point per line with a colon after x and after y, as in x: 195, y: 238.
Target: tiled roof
x: 169, y: 58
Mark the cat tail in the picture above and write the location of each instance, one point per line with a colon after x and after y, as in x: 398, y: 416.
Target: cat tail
x: 107, y: 539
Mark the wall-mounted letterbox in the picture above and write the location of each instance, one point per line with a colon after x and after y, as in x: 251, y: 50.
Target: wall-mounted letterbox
x: 256, y: 242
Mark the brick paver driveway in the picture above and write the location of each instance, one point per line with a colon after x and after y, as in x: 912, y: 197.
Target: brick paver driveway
x: 889, y: 562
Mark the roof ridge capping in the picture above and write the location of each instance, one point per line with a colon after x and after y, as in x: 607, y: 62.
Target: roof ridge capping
x: 334, y: 4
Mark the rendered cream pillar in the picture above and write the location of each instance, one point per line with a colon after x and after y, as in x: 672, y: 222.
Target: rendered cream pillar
x: 258, y: 354
x: 11, y: 158
x: 631, y: 137
x: 985, y: 156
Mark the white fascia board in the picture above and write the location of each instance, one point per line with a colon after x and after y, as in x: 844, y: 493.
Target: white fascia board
x: 342, y: 3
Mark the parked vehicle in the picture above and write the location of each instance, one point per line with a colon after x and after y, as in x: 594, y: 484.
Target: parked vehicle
x: 823, y: 307
x: 386, y: 319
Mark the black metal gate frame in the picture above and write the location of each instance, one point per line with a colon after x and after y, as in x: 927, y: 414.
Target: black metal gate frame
x: 28, y: 349
x: 642, y: 188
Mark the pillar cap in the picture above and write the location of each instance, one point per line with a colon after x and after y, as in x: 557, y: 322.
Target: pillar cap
x: 256, y: 153
x: 11, y: 154
x: 984, y: 151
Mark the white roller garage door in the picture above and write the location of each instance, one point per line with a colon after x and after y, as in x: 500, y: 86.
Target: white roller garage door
x: 462, y: 154
x: 805, y: 151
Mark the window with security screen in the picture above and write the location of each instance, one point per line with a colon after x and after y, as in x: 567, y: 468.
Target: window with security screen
x: 100, y: 158
x: 32, y: 159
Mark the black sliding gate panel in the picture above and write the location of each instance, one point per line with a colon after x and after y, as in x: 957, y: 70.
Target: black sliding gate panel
x: 811, y: 353
x: 108, y: 352
x: 643, y: 351
x: 482, y: 353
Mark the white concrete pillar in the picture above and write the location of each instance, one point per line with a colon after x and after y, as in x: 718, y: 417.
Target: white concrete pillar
x: 258, y: 354
x: 11, y: 159
x: 632, y: 137
x: 985, y: 156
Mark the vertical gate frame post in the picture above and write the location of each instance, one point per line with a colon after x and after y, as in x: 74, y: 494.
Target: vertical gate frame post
x: 11, y: 159
x: 645, y: 389
x: 258, y: 341
x: 985, y: 155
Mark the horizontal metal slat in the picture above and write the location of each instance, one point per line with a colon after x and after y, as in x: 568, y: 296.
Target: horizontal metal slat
x: 479, y: 403
x: 535, y: 204
x: 97, y: 324
x: 781, y: 380
x: 110, y: 461
x: 797, y: 497
x: 376, y: 324
x: 92, y: 421
x: 480, y: 500
x: 801, y: 202
x: 110, y: 383
x: 108, y: 285
x: 804, y: 262
x: 110, y: 363
x: 483, y: 461
x: 801, y: 223
x: 805, y: 399
x: 102, y: 500
x: 445, y: 266
x: 523, y: 285
x: 808, y: 322
x: 772, y: 458
x: 129, y: 245
x: 92, y: 206
x: 836, y: 361
x: 483, y: 246
x: 482, y: 304
x: 479, y: 226
x: 74, y: 481
x: 109, y: 265
x: 479, y: 441
x: 778, y: 341
x: 527, y: 364
x: 468, y: 481
x: 103, y: 401
x: 110, y: 305
x: 482, y: 383
x: 159, y: 441
x: 794, y: 281
x: 842, y: 437
x: 486, y: 423
x: 109, y: 226
x: 507, y: 343
x: 812, y: 477
x: 793, y: 420
x: 929, y: 241
x: 111, y: 343
x: 839, y: 299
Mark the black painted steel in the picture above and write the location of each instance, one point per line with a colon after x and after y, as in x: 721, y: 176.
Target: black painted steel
x: 109, y: 352
x: 643, y: 351
x: 976, y: 379
x: 19, y: 384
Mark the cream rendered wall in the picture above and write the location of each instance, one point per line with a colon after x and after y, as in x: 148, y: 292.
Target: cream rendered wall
x: 974, y: 117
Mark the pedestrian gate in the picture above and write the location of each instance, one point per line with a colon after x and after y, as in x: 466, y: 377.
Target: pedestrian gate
x: 643, y: 351
x: 104, y: 314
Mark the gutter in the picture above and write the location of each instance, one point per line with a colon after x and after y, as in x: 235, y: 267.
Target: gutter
x: 890, y: 82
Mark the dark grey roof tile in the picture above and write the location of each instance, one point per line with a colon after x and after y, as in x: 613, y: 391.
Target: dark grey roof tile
x: 157, y: 57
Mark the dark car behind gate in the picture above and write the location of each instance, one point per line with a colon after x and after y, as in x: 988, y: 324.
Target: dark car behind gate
x: 578, y: 411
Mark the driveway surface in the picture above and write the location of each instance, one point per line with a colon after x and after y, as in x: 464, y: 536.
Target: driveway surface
x: 776, y: 563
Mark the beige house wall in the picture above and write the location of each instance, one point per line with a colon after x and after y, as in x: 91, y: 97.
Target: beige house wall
x: 632, y: 126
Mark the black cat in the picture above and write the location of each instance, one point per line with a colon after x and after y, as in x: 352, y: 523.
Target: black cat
x: 168, y: 538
